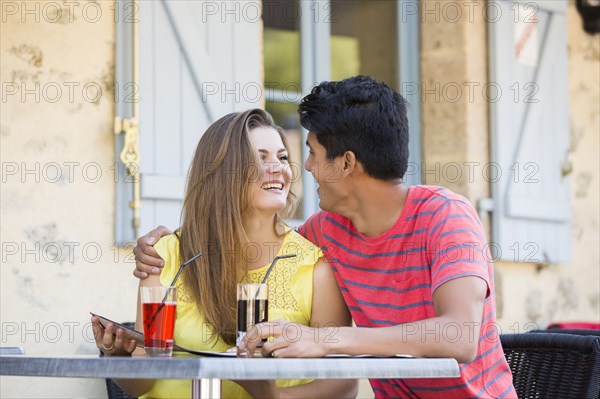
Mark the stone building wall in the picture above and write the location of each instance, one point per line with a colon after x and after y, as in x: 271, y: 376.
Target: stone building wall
x: 59, y: 261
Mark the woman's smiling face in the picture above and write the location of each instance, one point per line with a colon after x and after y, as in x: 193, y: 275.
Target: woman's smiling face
x: 273, y: 185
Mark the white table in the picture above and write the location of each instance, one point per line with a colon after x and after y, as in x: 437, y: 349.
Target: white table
x: 206, y: 372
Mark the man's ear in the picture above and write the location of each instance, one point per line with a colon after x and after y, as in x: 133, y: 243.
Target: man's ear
x: 349, y: 163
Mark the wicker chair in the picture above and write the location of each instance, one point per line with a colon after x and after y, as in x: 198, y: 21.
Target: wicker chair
x: 114, y: 391
x: 572, y: 331
x: 549, y: 365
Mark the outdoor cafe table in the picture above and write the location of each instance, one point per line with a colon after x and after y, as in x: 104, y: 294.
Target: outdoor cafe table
x: 206, y: 372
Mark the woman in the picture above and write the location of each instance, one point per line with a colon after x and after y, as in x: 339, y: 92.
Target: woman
x: 237, y: 195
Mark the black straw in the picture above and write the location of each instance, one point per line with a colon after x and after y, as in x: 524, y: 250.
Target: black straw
x: 270, y: 269
x: 162, y: 303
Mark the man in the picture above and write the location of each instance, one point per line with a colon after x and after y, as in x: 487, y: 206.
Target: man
x: 411, y: 262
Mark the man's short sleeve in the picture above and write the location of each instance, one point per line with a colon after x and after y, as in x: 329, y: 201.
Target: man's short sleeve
x: 456, y: 244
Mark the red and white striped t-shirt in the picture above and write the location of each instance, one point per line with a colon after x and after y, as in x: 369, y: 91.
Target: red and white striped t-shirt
x: 390, y: 280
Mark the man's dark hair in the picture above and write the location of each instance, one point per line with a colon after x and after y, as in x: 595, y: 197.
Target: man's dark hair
x: 361, y: 115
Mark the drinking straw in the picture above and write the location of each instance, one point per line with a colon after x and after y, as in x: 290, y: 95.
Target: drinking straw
x: 162, y: 303
x: 270, y: 269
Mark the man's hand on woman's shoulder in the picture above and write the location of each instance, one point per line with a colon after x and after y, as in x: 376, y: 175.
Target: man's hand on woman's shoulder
x: 147, y: 260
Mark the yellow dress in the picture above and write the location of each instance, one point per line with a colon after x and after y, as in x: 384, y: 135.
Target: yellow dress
x: 290, y: 298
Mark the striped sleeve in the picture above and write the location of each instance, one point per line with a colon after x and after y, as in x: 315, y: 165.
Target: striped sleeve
x: 456, y: 244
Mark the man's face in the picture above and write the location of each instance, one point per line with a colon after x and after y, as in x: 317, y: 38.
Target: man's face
x: 327, y: 174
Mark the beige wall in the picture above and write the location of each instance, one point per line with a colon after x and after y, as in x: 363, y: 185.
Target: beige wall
x: 454, y: 122
x: 45, y: 298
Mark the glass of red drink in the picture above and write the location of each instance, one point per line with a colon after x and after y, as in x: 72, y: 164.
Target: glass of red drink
x: 158, y: 315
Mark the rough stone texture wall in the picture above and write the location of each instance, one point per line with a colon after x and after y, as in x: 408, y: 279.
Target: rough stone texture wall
x: 59, y: 261
x: 454, y: 111
x: 536, y: 297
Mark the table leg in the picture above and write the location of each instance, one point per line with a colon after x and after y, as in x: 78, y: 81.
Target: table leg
x: 206, y: 388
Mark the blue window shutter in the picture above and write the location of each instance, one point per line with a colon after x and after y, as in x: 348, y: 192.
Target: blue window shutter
x: 530, y: 134
x: 194, y: 68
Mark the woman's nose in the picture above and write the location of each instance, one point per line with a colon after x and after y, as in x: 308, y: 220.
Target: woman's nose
x: 274, y: 166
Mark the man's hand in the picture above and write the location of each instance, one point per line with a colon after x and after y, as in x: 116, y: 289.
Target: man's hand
x: 147, y: 260
x: 288, y: 339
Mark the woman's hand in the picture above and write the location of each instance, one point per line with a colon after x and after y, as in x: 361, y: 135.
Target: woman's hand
x: 111, y: 340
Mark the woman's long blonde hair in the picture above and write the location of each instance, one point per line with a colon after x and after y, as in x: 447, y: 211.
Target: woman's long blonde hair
x: 224, y: 169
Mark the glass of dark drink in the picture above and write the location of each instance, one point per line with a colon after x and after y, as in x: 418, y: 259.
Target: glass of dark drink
x: 158, y: 313
x: 252, y: 307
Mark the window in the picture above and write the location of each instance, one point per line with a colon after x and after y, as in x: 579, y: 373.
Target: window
x: 308, y: 41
